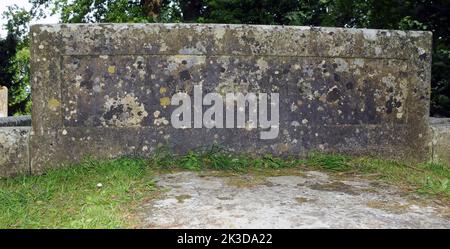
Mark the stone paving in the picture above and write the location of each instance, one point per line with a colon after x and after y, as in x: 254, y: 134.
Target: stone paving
x: 310, y: 200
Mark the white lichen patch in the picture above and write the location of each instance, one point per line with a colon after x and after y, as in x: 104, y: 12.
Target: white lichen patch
x: 179, y: 62
x: 163, y: 47
x: 295, y: 123
x: 160, y: 121
x: 140, y: 66
x: 262, y: 64
x: 219, y: 33
x: 342, y: 65
x: 359, y: 62
x: 294, y: 107
x: 370, y: 34
x: 125, y: 111
x: 305, y: 88
x: 396, y: 96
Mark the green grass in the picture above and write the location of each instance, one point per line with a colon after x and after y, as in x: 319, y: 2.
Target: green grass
x: 332, y: 162
x: 217, y: 158
x: 431, y: 179
x: 70, y: 197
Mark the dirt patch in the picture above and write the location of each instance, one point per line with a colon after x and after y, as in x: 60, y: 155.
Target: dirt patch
x: 301, y: 200
x: 392, y: 207
x: 335, y: 187
x: 247, y: 181
x: 182, y: 198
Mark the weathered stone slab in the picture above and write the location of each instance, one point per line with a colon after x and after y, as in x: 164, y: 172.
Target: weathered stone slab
x: 3, y: 102
x: 105, y: 89
x: 14, y: 159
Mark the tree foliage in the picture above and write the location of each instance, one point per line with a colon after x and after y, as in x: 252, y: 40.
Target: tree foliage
x: 432, y: 15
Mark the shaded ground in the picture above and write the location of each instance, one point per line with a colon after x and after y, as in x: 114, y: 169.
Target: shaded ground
x: 310, y: 200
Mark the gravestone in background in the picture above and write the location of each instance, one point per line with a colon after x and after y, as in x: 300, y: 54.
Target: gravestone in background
x: 3, y: 102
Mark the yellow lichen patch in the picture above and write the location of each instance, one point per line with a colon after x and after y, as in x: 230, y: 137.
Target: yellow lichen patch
x: 164, y: 101
x: 111, y: 69
x: 53, y: 104
x: 162, y: 90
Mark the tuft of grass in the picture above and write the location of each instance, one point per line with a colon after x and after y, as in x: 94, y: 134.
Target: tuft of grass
x: 332, y: 162
x: 427, y: 178
x: 94, y: 194
x: 218, y: 158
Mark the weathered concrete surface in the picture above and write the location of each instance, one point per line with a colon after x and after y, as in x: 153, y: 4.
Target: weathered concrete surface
x: 104, y: 90
x: 3, y: 102
x: 441, y: 140
x: 14, y: 153
x: 314, y: 200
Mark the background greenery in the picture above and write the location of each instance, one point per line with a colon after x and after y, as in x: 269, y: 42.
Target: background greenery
x: 432, y: 15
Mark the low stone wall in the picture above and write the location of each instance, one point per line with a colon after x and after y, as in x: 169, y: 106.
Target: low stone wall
x: 15, y: 160
x: 440, y: 149
x: 24, y: 120
x: 14, y: 151
x: 14, y: 145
